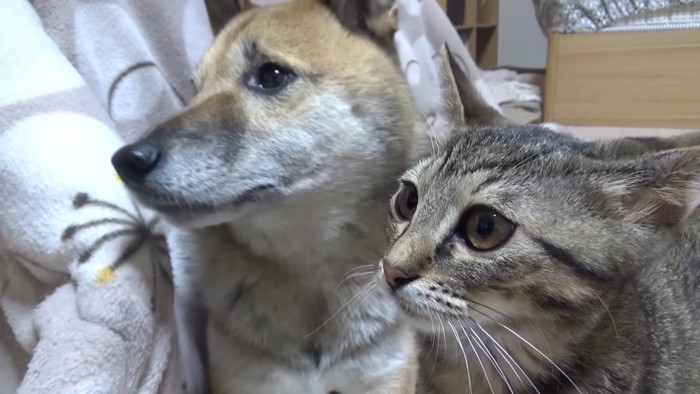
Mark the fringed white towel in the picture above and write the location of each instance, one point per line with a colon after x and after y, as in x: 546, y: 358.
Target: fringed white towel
x: 85, y: 289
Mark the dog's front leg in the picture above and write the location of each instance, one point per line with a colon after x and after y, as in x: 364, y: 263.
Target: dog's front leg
x: 190, y: 316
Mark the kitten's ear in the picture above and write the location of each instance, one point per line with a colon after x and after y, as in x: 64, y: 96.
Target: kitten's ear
x: 634, y: 146
x: 376, y: 18
x: 462, y: 102
x: 661, y: 189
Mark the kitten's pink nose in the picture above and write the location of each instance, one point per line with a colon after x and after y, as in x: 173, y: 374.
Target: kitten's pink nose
x: 395, y: 277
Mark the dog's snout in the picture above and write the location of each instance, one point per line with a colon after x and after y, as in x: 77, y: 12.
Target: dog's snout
x: 133, y: 162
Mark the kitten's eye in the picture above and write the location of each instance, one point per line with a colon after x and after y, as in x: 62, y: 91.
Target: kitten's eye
x: 484, y: 229
x: 406, y: 201
x: 270, y: 77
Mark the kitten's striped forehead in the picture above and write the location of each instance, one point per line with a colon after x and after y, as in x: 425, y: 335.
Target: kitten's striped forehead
x: 413, y: 173
x: 503, y: 151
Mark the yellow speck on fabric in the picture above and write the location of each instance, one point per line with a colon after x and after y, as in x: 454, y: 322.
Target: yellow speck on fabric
x: 104, y: 275
x: 116, y: 176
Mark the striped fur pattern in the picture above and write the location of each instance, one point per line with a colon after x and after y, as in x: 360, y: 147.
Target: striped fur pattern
x: 534, y: 262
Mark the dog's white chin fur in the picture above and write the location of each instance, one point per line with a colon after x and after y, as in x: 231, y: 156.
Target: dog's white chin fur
x: 200, y: 220
x: 194, y: 221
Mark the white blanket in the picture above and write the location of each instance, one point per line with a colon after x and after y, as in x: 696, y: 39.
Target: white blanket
x: 85, y: 290
x: 85, y: 285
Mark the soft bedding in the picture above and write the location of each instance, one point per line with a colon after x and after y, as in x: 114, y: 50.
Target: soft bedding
x: 86, y: 289
x: 585, y: 16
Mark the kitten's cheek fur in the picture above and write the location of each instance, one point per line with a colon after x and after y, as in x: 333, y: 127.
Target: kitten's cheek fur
x: 408, y: 310
x: 423, y: 325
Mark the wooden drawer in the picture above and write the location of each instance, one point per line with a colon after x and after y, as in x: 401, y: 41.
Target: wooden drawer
x: 627, y: 79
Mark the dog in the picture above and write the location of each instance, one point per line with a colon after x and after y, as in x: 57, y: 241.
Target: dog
x: 276, y: 179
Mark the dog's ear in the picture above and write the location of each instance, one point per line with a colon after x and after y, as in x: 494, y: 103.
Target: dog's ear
x: 376, y: 18
x: 221, y: 12
x: 462, y: 102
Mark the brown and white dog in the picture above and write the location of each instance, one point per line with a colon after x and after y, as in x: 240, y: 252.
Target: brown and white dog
x: 276, y: 178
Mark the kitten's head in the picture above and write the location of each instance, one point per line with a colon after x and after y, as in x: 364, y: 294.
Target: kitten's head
x: 520, y: 222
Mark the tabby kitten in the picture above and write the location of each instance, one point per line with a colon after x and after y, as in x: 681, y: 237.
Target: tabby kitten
x: 534, y: 262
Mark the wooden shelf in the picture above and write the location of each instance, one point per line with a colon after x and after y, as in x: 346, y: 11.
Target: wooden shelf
x: 477, y: 26
x: 487, y: 12
x: 476, y: 22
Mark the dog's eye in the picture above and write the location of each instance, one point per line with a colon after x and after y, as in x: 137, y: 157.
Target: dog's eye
x: 483, y: 228
x: 406, y: 201
x: 270, y: 77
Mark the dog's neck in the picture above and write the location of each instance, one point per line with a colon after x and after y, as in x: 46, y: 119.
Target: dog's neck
x: 312, y: 233
x: 308, y: 267
x: 310, y: 249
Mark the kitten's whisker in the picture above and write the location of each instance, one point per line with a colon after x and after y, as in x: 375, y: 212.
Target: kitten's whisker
x: 437, y: 352
x: 489, y: 308
x: 506, y: 354
x: 364, y: 289
x: 432, y: 328
x: 491, y: 358
x: 533, y: 347
x: 354, y: 275
x: 486, y: 375
x: 507, y: 357
x: 444, y: 335
x: 464, y: 353
x: 544, y: 336
x: 455, y: 349
x: 609, y: 314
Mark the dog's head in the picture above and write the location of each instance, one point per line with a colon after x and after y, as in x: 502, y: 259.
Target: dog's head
x: 291, y: 99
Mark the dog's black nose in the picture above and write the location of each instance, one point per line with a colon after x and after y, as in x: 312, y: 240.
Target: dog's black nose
x: 133, y: 162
